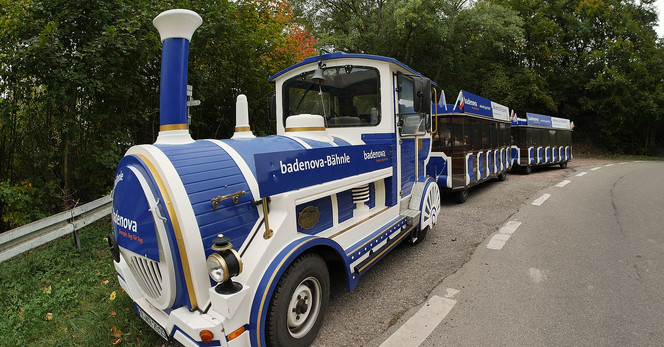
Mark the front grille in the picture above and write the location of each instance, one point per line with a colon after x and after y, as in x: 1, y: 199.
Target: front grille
x: 148, y: 274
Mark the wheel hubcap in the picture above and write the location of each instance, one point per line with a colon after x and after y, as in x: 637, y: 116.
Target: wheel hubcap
x: 304, y: 307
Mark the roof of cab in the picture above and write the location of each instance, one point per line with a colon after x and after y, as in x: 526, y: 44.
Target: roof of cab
x: 339, y: 55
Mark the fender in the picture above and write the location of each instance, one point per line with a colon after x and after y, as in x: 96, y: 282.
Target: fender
x: 274, y: 272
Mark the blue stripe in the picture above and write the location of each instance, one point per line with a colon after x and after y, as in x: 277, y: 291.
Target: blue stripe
x: 173, y: 98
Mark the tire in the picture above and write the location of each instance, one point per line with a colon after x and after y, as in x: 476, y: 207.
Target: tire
x: 502, y: 176
x: 299, y: 302
x: 462, y: 196
x: 563, y: 165
x: 527, y: 170
x: 417, y: 236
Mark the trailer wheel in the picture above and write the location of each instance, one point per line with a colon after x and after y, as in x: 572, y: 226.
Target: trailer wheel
x: 502, y: 176
x: 462, y: 196
x: 299, y: 303
x: 563, y: 165
x: 417, y: 236
x: 527, y: 170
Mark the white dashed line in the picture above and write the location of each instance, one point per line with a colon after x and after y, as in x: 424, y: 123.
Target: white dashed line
x: 581, y: 174
x: 595, y: 168
x: 498, y: 241
x: 623, y: 163
x: 563, y: 183
x: 420, y: 326
x: 608, y: 165
x: 539, y: 201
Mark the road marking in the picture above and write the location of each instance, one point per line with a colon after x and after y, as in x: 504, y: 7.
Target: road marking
x: 595, y: 168
x: 623, y: 163
x: 498, y: 241
x: 563, y: 183
x: 539, y: 201
x: 608, y: 165
x: 581, y: 174
x: 420, y: 326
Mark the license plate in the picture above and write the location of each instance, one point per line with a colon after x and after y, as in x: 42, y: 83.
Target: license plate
x: 152, y: 323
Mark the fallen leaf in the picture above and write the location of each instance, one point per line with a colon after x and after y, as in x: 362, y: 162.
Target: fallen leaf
x: 104, y: 282
x: 117, y: 340
x: 454, y: 239
x: 49, y: 316
x: 112, y: 314
x: 138, y: 341
x: 116, y: 332
x: 47, y: 290
x: 112, y: 297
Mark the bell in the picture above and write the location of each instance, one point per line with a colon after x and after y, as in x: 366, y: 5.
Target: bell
x: 318, y: 76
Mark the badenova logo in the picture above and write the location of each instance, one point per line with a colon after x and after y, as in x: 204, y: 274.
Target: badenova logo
x: 122, y: 222
x: 470, y: 102
x: 304, y: 165
x: 374, y: 155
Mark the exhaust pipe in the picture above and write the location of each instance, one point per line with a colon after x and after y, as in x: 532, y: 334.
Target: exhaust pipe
x: 176, y: 28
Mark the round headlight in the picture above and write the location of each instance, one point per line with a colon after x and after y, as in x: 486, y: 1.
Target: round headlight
x: 217, y: 267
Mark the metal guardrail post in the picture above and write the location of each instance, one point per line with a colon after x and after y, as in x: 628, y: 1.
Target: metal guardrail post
x: 35, y: 234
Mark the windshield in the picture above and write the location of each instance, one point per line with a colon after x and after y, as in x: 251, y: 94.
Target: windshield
x: 349, y: 96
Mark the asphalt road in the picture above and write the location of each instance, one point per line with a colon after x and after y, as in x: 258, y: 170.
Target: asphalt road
x: 584, y: 267
x: 406, y: 277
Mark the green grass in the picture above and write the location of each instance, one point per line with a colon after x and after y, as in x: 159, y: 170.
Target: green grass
x: 75, y: 287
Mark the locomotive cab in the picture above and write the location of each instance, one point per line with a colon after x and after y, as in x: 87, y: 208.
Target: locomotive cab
x: 231, y: 242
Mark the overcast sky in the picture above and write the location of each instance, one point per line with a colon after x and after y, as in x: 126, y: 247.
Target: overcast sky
x: 660, y: 7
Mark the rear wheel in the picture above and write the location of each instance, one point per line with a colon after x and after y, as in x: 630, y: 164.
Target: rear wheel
x: 299, y: 303
x: 502, y: 176
x: 462, y: 196
x: 563, y: 165
x: 417, y: 236
x: 527, y: 170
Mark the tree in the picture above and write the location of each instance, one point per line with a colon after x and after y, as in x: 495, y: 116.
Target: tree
x: 79, y: 84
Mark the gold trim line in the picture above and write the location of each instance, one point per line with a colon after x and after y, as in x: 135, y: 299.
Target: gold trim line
x: 288, y: 130
x: 169, y: 127
x: 176, y: 229
x: 240, y: 129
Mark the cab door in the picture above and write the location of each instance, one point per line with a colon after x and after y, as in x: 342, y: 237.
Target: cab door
x: 413, y: 108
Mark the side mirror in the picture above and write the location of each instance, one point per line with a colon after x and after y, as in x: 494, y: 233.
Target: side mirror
x: 272, y: 107
x: 422, y: 95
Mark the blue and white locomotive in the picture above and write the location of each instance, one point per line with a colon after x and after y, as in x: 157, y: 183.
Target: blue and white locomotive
x: 231, y: 242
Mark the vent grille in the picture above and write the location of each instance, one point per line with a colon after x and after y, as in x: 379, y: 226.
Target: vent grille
x: 149, y: 277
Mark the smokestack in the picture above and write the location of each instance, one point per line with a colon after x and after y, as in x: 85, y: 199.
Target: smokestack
x: 175, y: 28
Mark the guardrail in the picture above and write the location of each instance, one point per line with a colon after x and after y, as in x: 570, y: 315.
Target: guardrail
x: 35, y: 234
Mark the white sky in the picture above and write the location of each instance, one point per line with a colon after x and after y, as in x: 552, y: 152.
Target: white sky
x: 660, y: 10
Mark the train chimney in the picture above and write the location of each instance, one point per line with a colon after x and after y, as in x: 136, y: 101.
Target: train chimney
x: 242, y: 128
x: 175, y: 28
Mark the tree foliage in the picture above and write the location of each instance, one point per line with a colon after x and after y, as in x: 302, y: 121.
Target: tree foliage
x: 79, y: 84
x: 597, y: 62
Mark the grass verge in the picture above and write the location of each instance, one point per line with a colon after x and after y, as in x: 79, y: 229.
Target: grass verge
x: 57, y: 295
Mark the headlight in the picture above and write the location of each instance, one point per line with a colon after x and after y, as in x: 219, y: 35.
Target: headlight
x: 217, y: 267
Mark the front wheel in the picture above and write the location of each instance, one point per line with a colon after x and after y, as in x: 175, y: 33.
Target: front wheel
x: 299, y: 303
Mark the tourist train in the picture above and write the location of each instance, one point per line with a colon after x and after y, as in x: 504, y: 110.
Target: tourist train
x: 233, y: 242
x: 471, y: 144
x: 540, y: 140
